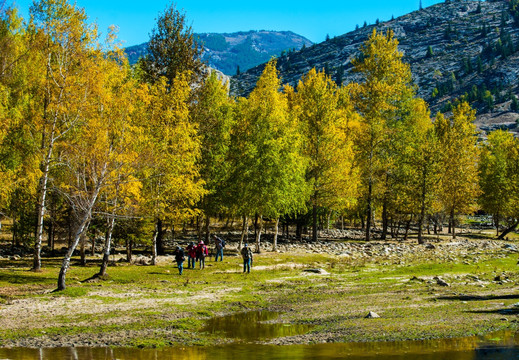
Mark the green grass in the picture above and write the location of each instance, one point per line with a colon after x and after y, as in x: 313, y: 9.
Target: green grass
x: 160, y: 308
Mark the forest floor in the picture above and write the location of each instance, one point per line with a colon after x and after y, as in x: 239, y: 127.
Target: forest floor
x: 444, y: 289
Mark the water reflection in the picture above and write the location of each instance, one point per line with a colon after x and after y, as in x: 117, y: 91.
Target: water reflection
x: 253, y: 352
x: 471, y: 348
x: 253, y: 326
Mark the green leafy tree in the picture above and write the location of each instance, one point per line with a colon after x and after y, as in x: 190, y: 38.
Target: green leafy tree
x: 415, y: 175
x: 213, y: 114
x: 498, y: 176
x: 328, y: 143
x: 268, y: 170
x: 379, y: 99
x: 457, y: 140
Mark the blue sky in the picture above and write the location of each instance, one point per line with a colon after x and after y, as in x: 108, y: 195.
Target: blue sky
x: 311, y: 19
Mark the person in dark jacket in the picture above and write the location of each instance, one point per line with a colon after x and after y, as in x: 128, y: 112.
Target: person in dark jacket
x: 219, y: 245
x: 179, y: 258
x: 246, y: 254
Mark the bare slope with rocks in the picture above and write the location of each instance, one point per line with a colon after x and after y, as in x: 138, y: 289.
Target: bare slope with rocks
x: 453, y: 48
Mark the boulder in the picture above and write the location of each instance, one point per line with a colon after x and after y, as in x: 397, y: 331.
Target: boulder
x: 372, y: 315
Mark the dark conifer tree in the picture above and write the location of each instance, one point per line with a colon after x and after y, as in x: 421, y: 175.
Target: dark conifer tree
x: 430, y: 52
x: 479, y: 64
x: 339, y: 75
x: 172, y: 48
x: 514, y: 106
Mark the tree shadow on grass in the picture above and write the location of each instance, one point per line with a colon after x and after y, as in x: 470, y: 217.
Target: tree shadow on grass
x: 502, y: 311
x: 463, y: 297
x: 509, y: 311
x: 26, y: 278
x: 478, y: 236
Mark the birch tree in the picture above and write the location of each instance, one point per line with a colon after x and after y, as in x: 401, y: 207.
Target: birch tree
x: 101, y: 157
x: 61, y: 41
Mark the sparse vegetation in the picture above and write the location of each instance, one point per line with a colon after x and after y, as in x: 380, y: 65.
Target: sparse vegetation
x: 154, y: 307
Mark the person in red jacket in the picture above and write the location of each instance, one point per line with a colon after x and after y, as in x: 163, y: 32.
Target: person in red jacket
x: 191, y: 255
x: 201, y: 253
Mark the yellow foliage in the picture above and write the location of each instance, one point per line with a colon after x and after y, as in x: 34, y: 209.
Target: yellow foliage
x: 457, y: 138
x: 327, y: 120
x: 172, y: 185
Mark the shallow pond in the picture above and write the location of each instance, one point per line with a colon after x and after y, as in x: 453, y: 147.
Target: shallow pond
x: 452, y: 349
x: 249, y: 328
x: 253, y: 326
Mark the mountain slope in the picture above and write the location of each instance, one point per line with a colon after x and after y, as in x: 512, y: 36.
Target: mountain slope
x: 227, y: 52
x: 454, y: 48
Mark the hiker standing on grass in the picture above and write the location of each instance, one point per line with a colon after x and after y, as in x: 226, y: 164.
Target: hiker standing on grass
x: 191, y: 255
x: 201, y: 253
x: 179, y: 258
x: 219, y: 245
x: 246, y: 254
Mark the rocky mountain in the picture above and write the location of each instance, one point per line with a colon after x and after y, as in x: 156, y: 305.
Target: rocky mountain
x: 242, y: 50
x: 457, y: 49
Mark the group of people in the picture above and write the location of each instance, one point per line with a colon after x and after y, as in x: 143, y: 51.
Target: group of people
x: 198, y: 253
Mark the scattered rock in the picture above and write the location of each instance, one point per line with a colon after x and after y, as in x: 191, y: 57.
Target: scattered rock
x: 440, y: 281
x: 430, y: 246
x: 372, y: 315
x: 510, y: 247
x: 317, y: 271
x: 142, y: 260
